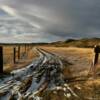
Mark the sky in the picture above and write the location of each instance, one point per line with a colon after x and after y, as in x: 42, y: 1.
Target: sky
x: 48, y: 20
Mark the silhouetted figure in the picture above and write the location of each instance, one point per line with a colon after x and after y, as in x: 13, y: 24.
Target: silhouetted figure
x: 96, y: 51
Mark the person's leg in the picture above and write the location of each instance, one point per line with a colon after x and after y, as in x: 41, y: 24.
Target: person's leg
x: 95, y: 64
x: 96, y: 58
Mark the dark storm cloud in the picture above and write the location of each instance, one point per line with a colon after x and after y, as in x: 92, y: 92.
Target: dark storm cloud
x: 64, y: 18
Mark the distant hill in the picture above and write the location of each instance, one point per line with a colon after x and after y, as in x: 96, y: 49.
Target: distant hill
x: 86, y: 42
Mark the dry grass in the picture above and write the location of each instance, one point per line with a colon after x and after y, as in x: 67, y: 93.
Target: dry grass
x: 80, y: 58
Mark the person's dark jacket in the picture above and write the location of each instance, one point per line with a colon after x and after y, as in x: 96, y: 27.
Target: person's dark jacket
x: 97, y: 49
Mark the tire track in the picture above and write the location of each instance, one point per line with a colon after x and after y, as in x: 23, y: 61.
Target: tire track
x: 42, y: 74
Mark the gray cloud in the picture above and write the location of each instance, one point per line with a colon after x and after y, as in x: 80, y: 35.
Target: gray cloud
x: 60, y: 18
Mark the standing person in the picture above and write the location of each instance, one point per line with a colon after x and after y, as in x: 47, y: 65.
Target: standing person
x: 96, y: 51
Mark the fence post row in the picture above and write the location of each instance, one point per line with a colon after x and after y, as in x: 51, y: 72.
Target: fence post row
x: 1, y: 59
x: 27, y: 47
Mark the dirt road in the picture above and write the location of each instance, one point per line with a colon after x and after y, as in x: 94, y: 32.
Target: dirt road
x: 22, y: 84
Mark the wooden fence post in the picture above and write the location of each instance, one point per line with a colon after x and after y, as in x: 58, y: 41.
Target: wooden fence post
x: 18, y: 52
x: 25, y: 48
x: 1, y: 59
x: 14, y: 57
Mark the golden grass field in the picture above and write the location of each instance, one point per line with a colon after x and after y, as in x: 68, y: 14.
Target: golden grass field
x: 83, y: 84
x: 80, y: 59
